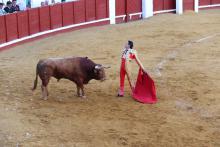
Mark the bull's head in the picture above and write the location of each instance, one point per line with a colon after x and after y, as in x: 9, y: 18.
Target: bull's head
x: 100, y: 72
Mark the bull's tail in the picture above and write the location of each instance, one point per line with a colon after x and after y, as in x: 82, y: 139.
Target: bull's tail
x: 35, y: 81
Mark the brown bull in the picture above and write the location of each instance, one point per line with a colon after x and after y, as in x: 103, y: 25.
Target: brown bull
x: 80, y: 70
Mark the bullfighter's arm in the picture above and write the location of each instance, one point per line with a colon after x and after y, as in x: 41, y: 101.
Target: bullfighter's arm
x: 139, y: 63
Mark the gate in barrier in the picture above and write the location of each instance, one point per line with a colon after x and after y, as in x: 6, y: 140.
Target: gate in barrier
x: 161, y: 6
x: 128, y: 10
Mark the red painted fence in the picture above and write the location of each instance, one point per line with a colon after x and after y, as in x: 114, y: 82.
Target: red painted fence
x: 3, y: 36
x: 11, y: 26
x: 90, y: 10
x: 22, y: 18
x: 79, y: 11
x: 101, y: 9
x: 134, y: 6
x: 67, y: 13
x: 44, y: 13
x: 120, y: 10
x: 126, y: 10
x: 56, y: 17
x: 34, y: 21
x: 160, y: 5
x: 25, y: 23
x: 188, y: 5
x: 208, y: 2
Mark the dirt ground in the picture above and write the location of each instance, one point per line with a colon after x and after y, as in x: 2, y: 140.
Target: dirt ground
x: 182, y: 55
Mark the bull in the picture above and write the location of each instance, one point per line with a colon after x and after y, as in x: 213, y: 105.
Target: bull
x: 79, y: 70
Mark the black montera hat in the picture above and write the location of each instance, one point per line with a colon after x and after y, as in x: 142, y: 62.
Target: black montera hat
x: 130, y: 43
x: 9, y: 2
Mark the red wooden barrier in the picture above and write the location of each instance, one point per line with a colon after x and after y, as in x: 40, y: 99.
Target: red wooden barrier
x: 158, y: 5
x: 34, y: 21
x: 44, y: 18
x: 67, y: 12
x: 120, y: 10
x: 215, y: 1
x: 120, y: 7
x: 209, y: 2
x: 56, y: 16
x: 188, y: 5
x: 90, y: 10
x: 79, y: 11
x: 101, y: 11
x: 169, y: 4
x: 134, y: 6
x: 107, y: 8
x: 204, y: 2
x: 3, y: 36
x: 11, y: 26
x: 23, y: 30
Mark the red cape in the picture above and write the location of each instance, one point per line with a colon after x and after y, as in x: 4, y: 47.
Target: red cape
x: 144, y: 90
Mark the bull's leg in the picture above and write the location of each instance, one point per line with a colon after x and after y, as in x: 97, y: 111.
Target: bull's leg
x: 47, y: 91
x: 78, y: 90
x: 44, y: 89
x: 44, y: 92
x: 82, y: 89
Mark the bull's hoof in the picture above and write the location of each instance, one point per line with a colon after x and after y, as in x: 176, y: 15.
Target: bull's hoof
x: 77, y: 95
x: 83, y: 96
x: 44, y: 98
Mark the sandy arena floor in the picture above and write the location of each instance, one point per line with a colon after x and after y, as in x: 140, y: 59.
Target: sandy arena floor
x: 182, y: 55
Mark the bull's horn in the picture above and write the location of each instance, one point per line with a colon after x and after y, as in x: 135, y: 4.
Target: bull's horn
x: 98, y: 67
